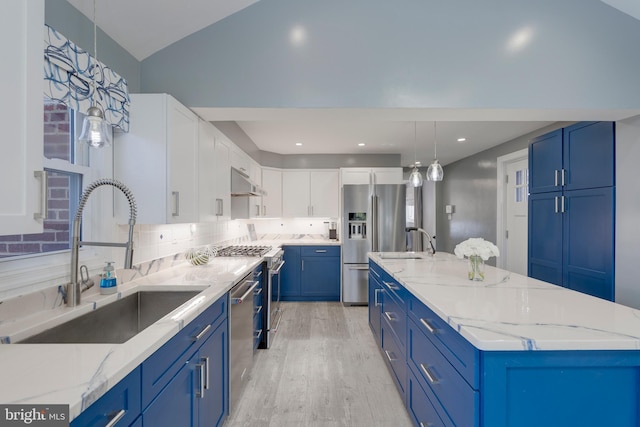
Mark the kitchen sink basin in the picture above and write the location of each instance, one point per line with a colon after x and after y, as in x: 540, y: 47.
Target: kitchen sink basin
x: 400, y: 255
x: 117, y: 322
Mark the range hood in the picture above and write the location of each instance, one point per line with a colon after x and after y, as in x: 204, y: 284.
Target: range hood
x: 241, y: 185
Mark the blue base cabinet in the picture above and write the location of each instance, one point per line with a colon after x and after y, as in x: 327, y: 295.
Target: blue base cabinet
x: 572, y: 208
x: 449, y: 382
x: 184, y: 383
x: 123, y: 401
x: 311, y: 273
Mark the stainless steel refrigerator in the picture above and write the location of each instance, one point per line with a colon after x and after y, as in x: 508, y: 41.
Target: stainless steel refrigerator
x: 373, y: 220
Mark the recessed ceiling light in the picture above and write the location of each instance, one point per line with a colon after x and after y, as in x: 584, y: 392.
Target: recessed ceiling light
x: 417, y: 162
x: 362, y: 144
x: 298, y: 143
x: 462, y: 139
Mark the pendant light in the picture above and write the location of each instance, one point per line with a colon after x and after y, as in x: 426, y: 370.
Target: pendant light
x: 96, y: 132
x: 415, y: 179
x: 435, y: 172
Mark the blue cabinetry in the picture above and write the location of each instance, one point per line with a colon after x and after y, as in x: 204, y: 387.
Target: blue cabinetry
x: 192, y: 390
x: 258, y: 312
x: 571, y: 208
x: 311, y: 273
x: 376, y: 294
x: 122, y: 402
x: 449, y: 382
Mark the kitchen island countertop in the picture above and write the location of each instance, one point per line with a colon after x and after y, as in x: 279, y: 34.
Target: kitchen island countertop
x: 508, y: 311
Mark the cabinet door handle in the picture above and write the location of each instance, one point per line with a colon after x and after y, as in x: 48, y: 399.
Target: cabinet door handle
x: 117, y: 417
x: 202, y: 333
x: 561, y: 204
x: 427, y: 372
x: 555, y: 178
x: 311, y: 210
x: 44, y: 195
x: 176, y: 199
x: 555, y: 199
x: 200, y: 392
x: 257, y: 210
x: 389, y: 316
x: 562, y: 172
x: 219, y: 207
x: 205, y: 363
x: 428, y: 325
x: 264, y: 210
x: 375, y: 297
x: 389, y: 356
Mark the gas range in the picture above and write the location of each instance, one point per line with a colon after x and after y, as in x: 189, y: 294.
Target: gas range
x: 243, y: 251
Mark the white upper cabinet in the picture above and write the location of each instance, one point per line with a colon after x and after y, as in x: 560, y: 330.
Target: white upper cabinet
x: 371, y: 175
x: 214, y: 169
x: 272, y: 201
x: 312, y: 193
x: 240, y: 160
x: 157, y: 159
x: 23, y: 192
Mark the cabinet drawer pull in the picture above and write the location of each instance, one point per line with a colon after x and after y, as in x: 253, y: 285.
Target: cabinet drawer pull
x: 219, y: 207
x: 427, y: 372
x: 117, y: 417
x: 389, y: 316
x: 391, y: 286
x: 375, y: 297
x: 257, y: 275
x: 426, y: 425
x: 389, y: 356
x: 257, y: 291
x: 202, y: 333
x: 321, y: 251
x: 374, y: 272
x: 258, y: 309
x: 428, y: 325
x: 258, y: 332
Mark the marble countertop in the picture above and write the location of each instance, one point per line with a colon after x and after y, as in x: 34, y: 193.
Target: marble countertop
x: 508, y: 311
x: 78, y: 374
x: 296, y: 240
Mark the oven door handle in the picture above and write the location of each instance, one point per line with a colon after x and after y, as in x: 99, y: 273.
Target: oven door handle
x: 277, y: 270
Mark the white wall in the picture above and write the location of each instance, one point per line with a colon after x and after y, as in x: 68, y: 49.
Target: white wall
x: 627, y: 212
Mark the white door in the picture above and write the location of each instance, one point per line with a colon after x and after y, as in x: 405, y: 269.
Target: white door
x: 516, y: 198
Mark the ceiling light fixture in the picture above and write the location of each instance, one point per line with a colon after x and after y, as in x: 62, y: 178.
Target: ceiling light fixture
x: 415, y: 179
x: 462, y: 139
x: 96, y: 131
x: 435, y: 172
x: 298, y: 144
x: 362, y: 144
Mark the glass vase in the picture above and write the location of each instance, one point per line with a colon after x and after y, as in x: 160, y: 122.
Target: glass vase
x: 476, y: 268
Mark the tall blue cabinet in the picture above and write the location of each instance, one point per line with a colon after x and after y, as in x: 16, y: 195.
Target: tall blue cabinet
x: 572, y: 206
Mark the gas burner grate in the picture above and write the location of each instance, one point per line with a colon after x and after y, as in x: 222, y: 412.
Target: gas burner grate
x: 243, y: 250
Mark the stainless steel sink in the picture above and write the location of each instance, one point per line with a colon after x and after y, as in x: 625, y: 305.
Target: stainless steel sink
x: 400, y: 255
x: 117, y: 322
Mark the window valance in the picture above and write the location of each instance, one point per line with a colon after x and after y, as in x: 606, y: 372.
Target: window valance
x: 68, y: 75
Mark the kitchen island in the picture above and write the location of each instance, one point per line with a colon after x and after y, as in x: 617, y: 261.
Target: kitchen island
x: 508, y: 351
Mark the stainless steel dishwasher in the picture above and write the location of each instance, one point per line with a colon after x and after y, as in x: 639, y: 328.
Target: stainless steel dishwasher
x: 241, y: 337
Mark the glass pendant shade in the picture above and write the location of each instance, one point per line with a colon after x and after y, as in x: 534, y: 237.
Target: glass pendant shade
x: 435, y: 172
x: 415, y: 179
x: 95, y: 130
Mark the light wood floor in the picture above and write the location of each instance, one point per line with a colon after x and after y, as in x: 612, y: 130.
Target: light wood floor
x: 323, y: 369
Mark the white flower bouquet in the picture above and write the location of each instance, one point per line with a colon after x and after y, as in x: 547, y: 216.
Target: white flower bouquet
x: 477, y: 250
x: 476, y: 246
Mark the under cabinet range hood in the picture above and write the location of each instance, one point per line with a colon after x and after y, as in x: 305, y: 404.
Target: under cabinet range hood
x: 241, y: 185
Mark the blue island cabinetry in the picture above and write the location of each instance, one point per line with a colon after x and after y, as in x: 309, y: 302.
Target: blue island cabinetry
x: 184, y: 383
x: 310, y: 273
x: 450, y: 382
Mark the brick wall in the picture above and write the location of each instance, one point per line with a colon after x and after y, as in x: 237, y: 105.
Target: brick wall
x: 56, y: 228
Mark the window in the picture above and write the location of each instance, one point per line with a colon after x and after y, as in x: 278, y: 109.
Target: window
x: 522, y: 186
x: 66, y: 163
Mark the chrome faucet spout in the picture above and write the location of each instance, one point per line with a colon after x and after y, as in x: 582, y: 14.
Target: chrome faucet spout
x: 423, y: 231
x: 73, y: 288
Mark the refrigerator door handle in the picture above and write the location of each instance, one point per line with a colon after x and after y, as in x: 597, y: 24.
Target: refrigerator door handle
x: 374, y: 223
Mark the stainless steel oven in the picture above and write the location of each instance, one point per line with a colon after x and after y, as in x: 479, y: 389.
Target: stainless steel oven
x: 274, y: 263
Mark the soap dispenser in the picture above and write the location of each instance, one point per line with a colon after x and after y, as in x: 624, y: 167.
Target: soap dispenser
x: 108, y: 281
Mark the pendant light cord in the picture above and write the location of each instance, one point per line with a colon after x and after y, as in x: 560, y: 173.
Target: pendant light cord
x: 435, y: 142
x: 95, y: 55
x: 415, y: 139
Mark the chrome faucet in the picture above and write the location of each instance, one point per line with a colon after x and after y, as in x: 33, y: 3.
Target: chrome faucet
x: 73, y: 288
x: 423, y: 231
